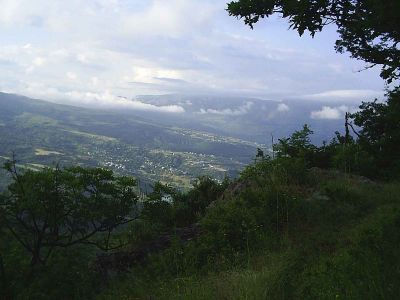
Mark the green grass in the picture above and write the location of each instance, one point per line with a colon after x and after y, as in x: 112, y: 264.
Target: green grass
x: 234, y: 284
x: 347, y: 250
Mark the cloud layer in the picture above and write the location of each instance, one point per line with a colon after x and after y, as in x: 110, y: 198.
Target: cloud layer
x: 98, y: 50
x: 330, y: 113
x: 346, y: 95
x: 239, y: 111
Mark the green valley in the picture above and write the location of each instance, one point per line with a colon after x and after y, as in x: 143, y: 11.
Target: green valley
x: 42, y: 133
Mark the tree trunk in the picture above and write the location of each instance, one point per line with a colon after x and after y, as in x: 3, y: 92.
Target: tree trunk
x: 35, y: 261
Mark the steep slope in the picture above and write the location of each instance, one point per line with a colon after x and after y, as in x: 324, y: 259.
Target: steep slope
x: 335, y: 236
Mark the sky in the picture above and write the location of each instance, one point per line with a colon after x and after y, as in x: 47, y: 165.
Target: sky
x: 100, y: 52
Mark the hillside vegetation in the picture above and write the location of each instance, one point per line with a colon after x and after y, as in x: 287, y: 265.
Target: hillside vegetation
x: 297, y: 225
x: 282, y: 231
x: 340, y: 240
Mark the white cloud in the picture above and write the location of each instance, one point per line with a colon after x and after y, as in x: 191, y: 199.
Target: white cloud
x: 171, y: 18
x: 151, y: 74
x: 330, y: 113
x: 8, y: 10
x: 81, y: 58
x: 178, y: 46
x: 29, y: 69
x: 95, y: 80
x: 38, y: 61
x: 61, y: 53
x: 241, y: 110
x: 103, y: 99
x: 340, y: 95
x: 71, y: 75
x: 282, y: 107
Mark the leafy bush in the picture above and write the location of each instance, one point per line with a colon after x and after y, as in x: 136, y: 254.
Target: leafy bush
x: 47, y: 211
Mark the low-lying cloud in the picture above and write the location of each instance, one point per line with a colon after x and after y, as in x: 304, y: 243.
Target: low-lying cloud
x: 282, y: 107
x: 346, y: 95
x: 103, y: 100
x: 241, y: 110
x: 330, y: 113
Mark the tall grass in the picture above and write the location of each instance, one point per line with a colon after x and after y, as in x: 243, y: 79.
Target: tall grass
x: 343, y: 243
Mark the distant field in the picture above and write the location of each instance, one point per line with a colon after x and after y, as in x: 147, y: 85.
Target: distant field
x: 45, y: 134
x: 40, y: 151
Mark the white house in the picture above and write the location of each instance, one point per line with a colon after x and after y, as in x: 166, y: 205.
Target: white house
x: 167, y: 198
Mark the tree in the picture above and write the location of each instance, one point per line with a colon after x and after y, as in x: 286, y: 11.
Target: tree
x: 368, y: 29
x: 205, y: 190
x: 380, y: 130
x: 157, y: 211
x: 64, y: 207
x: 297, y: 145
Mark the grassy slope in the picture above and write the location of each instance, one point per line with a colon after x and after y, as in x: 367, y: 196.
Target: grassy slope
x: 343, y: 245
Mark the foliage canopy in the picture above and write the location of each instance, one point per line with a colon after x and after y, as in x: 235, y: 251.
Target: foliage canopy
x: 380, y: 130
x: 64, y: 207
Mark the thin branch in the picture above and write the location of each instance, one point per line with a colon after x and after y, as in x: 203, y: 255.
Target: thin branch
x: 84, y: 238
x: 106, y: 248
x: 367, y: 68
x: 355, y: 132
